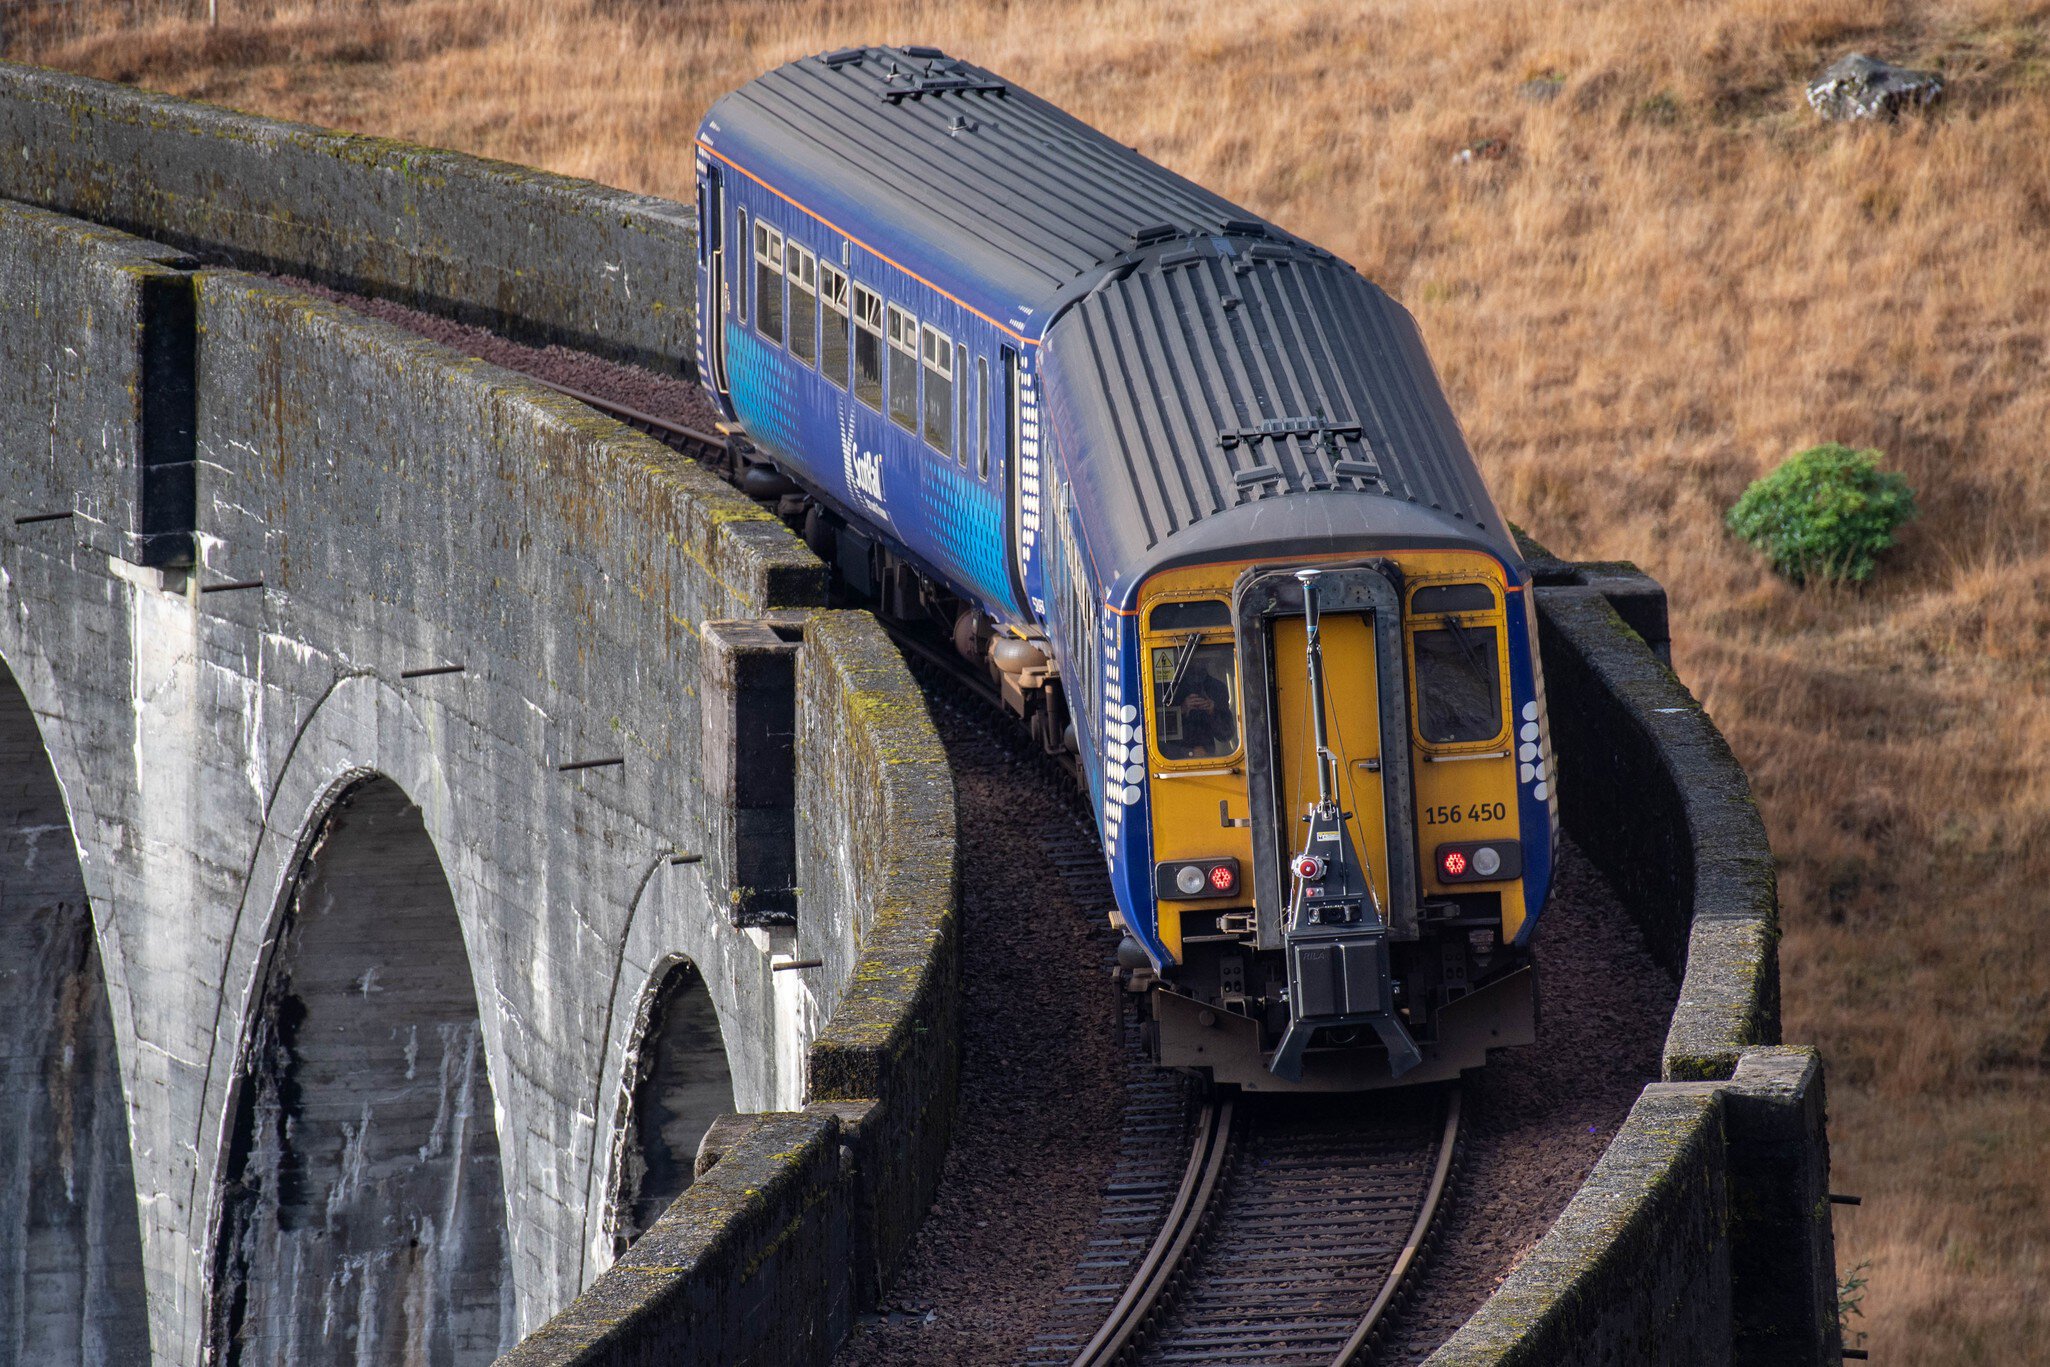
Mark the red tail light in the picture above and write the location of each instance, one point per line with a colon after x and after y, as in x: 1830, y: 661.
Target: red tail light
x: 1224, y: 878
x: 1455, y: 863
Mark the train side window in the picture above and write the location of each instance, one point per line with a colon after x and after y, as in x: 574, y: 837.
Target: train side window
x: 868, y: 347
x: 768, y: 282
x: 740, y: 276
x: 803, y: 269
x: 1458, y: 682
x: 903, y: 369
x: 982, y: 417
x: 938, y: 350
x: 833, y: 324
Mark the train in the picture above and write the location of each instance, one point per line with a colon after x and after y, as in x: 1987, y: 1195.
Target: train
x: 1186, y: 491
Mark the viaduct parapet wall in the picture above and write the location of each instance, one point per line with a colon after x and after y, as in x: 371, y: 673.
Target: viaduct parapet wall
x: 538, y: 256
x: 258, y: 553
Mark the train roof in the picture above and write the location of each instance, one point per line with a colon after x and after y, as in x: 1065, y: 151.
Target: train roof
x: 1226, y: 363
x: 988, y: 191
x: 1221, y: 374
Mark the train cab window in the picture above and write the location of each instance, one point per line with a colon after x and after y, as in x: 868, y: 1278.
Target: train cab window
x: 1452, y: 598
x: 1457, y: 665
x: 868, y: 347
x: 1190, y: 616
x: 833, y: 324
x: 938, y: 351
x: 768, y: 282
x: 982, y: 417
x: 903, y: 369
x: 803, y: 269
x: 740, y: 276
x: 1195, y: 697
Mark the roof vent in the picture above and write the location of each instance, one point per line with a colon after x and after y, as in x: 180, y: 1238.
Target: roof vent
x: 846, y: 56
x: 1244, y: 227
x: 923, y: 53
x: 911, y: 85
x: 1152, y: 233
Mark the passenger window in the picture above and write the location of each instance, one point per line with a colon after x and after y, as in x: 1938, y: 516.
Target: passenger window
x: 1458, y: 683
x: 903, y: 369
x: 803, y: 268
x: 833, y: 324
x: 939, y: 391
x: 982, y: 417
x: 1195, y: 698
x: 868, y: 347
x: 768, y: 282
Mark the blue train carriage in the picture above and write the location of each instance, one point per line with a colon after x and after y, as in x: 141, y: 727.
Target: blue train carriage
x: 1155, y: 464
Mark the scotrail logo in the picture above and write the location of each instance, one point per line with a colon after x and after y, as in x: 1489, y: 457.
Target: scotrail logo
x: 863, y: 469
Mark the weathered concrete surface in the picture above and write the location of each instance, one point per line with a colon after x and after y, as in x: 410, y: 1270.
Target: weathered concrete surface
x: 1636, y: 1270
x: 372, y: 506
x: 115, y: 452
x: 878, y: 844
x: 1652, y: 793
x: 540, y: 256
x: 365, y: 1202
x: 1703, y: 1235
x: 70, y: 1252
x: 747, y: 1269
x: 679, y: 1086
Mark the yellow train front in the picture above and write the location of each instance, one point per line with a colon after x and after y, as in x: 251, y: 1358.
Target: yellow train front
x: 1331, y: 843
x: 1349, y: 842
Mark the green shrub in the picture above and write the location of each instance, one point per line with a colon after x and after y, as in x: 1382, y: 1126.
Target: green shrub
x: 1825, y: 514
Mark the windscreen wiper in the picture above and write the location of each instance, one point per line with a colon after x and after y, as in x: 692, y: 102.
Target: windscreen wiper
x: 1182, y: 662
x: 1460, y: 634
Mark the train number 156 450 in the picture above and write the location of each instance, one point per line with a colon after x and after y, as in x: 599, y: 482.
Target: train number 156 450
x: 1477, y: 811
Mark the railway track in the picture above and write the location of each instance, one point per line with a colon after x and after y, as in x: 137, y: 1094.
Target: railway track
x: 1288, y: 1234
x: 1290, y: 1237
x: 691, y: 441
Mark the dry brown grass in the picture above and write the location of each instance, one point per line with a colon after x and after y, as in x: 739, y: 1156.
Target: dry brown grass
x: 1674, y: 278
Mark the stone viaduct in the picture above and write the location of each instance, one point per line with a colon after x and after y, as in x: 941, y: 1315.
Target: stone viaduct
x: 428, y: 804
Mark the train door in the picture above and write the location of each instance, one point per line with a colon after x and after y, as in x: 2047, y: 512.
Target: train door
x: 1014, y: 502
x: 1367, y: 706
x: 1353, y: 706
x: 712, y: 245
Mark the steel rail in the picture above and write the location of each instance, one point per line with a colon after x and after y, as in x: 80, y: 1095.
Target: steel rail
x: 1125, y: 1332
x: 1413, y: 1248
x: 674, y: 434
x: 1150, y: 1284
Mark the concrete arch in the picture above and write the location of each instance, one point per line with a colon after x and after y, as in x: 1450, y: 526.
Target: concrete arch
x: 678, y: 1081
x: 361, y: 730
x: 674, y: 920
x: 364, y: 1211
x: 71, y: 1266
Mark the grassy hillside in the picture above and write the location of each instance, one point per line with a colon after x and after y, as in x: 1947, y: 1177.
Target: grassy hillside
x: 1671, y: 277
